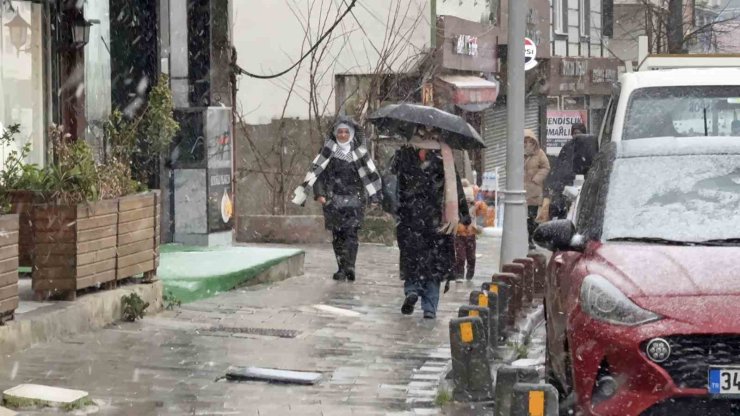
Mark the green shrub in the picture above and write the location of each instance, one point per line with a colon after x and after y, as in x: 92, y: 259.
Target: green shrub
x: 133, y: 307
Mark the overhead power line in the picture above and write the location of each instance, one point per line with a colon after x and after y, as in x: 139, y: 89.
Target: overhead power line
x: 307, y: 54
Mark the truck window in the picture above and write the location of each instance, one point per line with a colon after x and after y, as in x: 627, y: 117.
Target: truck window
x: 683, y: 111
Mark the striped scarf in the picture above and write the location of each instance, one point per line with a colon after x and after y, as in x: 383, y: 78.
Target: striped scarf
x: 358, y: 155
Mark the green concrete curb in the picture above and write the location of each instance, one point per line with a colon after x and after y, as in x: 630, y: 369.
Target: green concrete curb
x: 190, y: 288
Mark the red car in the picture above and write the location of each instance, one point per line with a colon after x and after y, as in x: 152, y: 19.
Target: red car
x: 643, y: 291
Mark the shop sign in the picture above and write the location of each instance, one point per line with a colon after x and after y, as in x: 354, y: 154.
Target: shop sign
x: 559, y: 123
x: 466, y: 45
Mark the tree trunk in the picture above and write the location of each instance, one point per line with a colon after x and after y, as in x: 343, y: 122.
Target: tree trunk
x: 674, y: 27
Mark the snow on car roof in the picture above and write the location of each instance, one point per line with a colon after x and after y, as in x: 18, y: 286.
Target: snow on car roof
x: 683, y: 77
x: 677, y: 146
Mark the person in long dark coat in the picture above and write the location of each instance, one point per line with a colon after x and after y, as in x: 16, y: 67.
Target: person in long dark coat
x: 561, y: 175
x: 344, y: 179
x: 427, y: 253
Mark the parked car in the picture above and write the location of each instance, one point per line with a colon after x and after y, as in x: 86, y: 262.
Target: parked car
x: 683, y: 102
x: 643, y: 286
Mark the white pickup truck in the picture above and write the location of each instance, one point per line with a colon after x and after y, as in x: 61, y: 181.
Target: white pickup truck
x: 669, y: 96
x: 675, y: 96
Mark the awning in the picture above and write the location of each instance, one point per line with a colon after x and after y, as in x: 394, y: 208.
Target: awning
x: 468, y: 92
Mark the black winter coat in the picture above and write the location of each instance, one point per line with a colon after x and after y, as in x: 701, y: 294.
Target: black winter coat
x: 342, y: 187
x: 561, y: 175
x: 425, y: 252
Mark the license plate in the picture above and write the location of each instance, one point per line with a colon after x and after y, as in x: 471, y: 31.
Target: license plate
x: 724, y: 381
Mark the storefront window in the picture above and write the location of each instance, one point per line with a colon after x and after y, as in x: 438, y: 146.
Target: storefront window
x: 22, y: 58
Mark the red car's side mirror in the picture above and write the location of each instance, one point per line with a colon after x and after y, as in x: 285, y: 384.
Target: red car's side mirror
x: 558, y: 235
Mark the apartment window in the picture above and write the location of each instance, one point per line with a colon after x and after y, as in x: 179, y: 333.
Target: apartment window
x: 584, y: 10
x: 560, y: 16
x: 607, y: 18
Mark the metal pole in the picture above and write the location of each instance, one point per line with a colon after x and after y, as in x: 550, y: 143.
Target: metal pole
x: 514, y: 244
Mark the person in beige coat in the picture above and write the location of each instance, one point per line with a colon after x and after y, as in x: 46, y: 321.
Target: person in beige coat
x: 536, y: 169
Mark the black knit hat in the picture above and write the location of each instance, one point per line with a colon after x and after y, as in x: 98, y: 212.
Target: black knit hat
x: 578, y: 126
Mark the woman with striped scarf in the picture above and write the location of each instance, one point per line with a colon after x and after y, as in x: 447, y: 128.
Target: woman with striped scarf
x: 343, y: 177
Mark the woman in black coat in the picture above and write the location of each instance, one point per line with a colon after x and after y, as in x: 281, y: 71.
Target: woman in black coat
x: 427, y: 252
x: 343, y: 188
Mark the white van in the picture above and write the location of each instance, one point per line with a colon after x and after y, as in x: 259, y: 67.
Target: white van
x: 673, y: 102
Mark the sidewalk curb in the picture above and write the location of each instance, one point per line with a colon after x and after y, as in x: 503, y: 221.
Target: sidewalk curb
x: 423, y: 389
x: 63, y: 319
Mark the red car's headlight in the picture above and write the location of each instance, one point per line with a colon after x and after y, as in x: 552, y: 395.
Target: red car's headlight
x: 603, y: 301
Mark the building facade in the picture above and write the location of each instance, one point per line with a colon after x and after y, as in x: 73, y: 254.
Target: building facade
x: 282, y: 121
x: 582, y: 70
x: 270, y: 36
x: 71, y: 63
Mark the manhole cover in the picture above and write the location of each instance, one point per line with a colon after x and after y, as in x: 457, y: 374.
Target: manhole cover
x: 268, y: 332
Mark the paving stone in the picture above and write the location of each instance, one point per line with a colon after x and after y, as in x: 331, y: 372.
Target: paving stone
x: 423, y: 393
x: 44, y: 395
x: 420, y: 385
x: 425, y: 376
x: 425, y: 412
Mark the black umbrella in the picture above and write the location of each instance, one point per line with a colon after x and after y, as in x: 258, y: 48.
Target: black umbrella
x: 404, y: 118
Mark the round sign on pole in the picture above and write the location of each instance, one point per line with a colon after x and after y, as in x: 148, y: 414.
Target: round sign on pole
x: 530, y: 54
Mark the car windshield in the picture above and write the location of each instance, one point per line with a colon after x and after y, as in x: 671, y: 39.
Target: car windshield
x: 688, y: 198
x: 683, y: 111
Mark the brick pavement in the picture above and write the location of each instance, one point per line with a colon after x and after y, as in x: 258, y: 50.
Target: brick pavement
x: 375, y: 363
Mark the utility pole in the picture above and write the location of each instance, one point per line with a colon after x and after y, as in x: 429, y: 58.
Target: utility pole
x: 514, y: 243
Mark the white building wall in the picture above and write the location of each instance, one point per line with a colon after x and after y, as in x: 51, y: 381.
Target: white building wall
x: 269, y: 37
x: 473, y: 10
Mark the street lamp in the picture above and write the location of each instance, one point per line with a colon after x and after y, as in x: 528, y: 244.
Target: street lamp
x: 18, y: 32
x: 80, y: 31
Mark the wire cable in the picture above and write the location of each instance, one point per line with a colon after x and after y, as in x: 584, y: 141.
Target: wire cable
x: 306, y: 55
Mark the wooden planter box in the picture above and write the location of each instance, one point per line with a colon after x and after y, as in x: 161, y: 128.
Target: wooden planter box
x: 22, y: 204
x: 90, y: 244
x: 8, y: 266
x: 138, y: 236
x: 74, y: 247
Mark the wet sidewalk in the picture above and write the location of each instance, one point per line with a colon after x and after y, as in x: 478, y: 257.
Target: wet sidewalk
x: 373, y: 360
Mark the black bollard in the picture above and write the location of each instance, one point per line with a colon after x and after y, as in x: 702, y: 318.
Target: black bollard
x: 534, y: 399
x: 485, y: 315
x: 470, y: 364
x: 506, y: 378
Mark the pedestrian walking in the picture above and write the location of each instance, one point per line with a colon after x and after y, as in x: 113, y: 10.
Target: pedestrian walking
x: 555, y: 204
x: 465, y: 240
x: 431, y: 204
x: 536, y: 168
x: 344, y: 179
